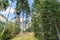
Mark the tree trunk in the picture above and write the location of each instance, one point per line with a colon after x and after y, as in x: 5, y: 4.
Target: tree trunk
x: 22, y: 29
x: 2, y: 5
x: 26, y: 21
x: 42, y: 33
x: 57, y: 29
x: 42, y: 28
x: 6, y: 20
x: 5, y: 24
x: 14, y: 26
x: 18, y: 19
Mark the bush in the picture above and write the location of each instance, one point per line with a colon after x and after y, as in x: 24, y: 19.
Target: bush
x: 10, y: 31
x: 6, y: 35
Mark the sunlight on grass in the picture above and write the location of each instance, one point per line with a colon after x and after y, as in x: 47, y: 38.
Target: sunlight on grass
x: 27, y: 36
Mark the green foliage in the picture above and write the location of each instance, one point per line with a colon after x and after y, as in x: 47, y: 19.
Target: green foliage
x: 48, y: 11
x: 1, y: 26
x: 10, y: 31
x: 36, y: 24
x: 3, y: 4
x: 6, y: 35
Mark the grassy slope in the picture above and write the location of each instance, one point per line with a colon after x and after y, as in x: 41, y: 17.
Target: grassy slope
x: 26, y: 36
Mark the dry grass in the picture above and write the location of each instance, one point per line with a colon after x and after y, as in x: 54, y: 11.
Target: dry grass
x: 25, y: 36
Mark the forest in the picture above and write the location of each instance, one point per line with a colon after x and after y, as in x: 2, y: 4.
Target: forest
x: 29, y: 19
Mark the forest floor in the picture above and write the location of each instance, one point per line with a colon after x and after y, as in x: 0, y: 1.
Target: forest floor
x: 25, y: 36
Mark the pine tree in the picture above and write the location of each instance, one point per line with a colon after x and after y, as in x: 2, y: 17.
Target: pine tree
x: 49, y: 13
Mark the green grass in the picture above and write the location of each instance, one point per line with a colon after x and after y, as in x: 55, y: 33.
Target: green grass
x: 25, y: 36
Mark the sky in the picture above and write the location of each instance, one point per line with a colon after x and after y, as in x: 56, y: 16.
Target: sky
x: 12, y: 9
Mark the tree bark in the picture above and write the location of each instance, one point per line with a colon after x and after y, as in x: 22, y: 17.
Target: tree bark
x: 6, y: 22
x: 14, y: 26
x: 57, y: 29
x: 18, y: 19
x: 22, y: 29
x: 42, y: 33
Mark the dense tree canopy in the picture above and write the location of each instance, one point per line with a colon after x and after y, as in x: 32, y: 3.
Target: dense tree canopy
x: 48, y: 11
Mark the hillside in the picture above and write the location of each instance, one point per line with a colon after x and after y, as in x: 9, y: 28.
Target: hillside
x: 1, y: 25
x: 2, y: 18
x: 2, y: 21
